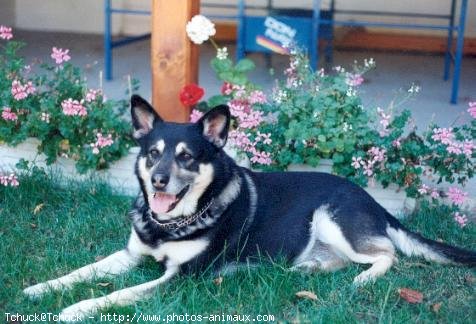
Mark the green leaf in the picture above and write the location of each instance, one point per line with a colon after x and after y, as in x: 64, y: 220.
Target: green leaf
x: 217, y: 100
x: 239, y: 78
x: 220, y: 66
x: 338, y: 158
x: 226, y: 76
x: 245, y: 65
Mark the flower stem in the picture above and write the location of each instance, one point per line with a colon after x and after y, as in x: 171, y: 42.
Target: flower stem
x: 213, y: 43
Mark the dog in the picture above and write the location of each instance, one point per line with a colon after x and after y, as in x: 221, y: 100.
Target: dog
x: 197, y: 209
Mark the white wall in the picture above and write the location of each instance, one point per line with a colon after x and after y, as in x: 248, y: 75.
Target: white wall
x: 7, y: 12
x: 87, y: 15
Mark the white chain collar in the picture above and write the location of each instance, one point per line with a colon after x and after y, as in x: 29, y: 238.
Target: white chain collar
x: 182, y: 221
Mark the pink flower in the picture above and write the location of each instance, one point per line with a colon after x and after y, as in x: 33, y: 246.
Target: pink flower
x: 261, y: 157
x: 6, y: 32
x: 250, y: 120
x: 73, y: 108
x: 354, y: 80
x: 195, y: 115
x: 10, y: 180
x: 424, y: 189
x: 101, y: 142
x: 60, y: 55
x: 461, y: 219
x: 92, y: 94
x: 257, y: 96
x: 377, y: 154
x: 7, y: 114
x: 368, y: 169
x: 468, y: 147
x: 457, y: 196
x: 238, y: 107
x: 396, y: 143
x: 104, y: 141
x: 13, y: 180
x: 240, y: 139
x: 357, y: 162
x: 29, y: 88
x: 435, y: 194
x: 443, y: 135
x: 454, y: 147
x: 384, y: 121
x: 20, y: 91
x: 472, y: 109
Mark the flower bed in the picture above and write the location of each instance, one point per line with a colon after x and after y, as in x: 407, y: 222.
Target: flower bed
x: 53, y: 103
x: 312, y: 116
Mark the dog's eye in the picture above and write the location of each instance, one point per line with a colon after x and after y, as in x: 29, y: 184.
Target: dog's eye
x: 184, y: 156
x: 154, y: 153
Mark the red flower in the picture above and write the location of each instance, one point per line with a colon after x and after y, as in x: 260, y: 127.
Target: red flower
x: 191, y: 94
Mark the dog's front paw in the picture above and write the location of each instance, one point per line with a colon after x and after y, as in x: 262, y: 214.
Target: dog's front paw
x: 36, y: 290
x: 363, y: 279
x: 79, y: 311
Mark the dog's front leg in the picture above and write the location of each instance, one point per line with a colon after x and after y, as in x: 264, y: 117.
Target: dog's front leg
x: 121, y: 297
x: 114, y: 264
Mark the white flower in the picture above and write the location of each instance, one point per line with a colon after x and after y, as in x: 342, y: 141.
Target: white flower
x: 199, y: 29
x: 369, y: 63
x: 222, y: 53
x: 346, y: 127
x: 280, y: 96
x: 45, y: 117
x: 414, y: 89
x: 351, y: 92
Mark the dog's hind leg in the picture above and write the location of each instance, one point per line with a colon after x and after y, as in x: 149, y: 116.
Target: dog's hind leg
x: 112, y: 265
x: 375, y: 250
x: 121, y: 297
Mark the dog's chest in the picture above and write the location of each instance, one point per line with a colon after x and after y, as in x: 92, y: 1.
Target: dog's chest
x: 175, y: 252
x: 179, y: 252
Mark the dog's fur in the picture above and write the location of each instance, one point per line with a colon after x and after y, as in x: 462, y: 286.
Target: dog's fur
x: 228, y: 215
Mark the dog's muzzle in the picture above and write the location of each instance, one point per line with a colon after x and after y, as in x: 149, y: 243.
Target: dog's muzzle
x: 162, y: 202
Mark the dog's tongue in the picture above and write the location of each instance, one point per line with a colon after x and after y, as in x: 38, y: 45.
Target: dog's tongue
x: 161, y: 202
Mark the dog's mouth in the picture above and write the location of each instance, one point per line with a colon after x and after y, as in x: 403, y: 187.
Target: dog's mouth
x: 162, y: 202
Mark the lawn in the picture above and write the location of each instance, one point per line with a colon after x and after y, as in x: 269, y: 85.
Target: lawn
x: 47, y: 230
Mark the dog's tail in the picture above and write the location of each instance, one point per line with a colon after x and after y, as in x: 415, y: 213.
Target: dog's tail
x: 413, y: 244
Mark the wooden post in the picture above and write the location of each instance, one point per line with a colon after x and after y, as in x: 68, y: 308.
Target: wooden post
x: 174, y: 58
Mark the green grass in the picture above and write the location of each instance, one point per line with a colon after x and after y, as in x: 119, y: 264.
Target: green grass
x: 81, y: 221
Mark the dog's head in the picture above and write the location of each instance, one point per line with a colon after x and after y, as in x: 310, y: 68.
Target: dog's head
x: 175, y: 165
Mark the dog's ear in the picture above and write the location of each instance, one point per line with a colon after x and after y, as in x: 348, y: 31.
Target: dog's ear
x: 214, y: 125
x: 143, y: 116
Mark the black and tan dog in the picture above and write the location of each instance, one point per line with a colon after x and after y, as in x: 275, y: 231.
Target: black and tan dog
x: 198, y: 208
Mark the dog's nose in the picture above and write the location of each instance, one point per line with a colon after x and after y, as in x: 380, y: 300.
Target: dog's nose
x: 159, y: 180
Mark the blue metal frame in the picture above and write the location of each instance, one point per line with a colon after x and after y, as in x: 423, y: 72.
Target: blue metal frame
x: 109, y: 44
x: 451, y: 28
x: 450, y: 58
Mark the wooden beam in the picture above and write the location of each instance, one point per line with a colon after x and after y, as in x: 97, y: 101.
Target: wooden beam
x: 174, y: 58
